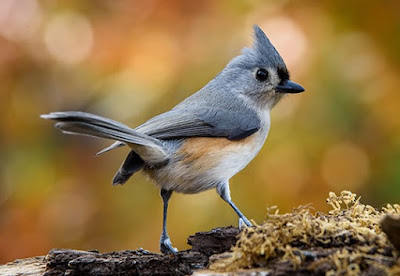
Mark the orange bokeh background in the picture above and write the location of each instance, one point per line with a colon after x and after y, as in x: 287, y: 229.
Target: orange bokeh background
x: 131, y: 60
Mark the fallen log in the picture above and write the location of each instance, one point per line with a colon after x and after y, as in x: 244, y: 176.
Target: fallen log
x: 351, y: 239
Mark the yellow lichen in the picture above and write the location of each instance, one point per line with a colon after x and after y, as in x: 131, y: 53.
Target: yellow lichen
x: 345, y: 241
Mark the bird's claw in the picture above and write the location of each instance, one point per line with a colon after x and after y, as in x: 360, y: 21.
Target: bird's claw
x: 244, y: 222
x: 166, y: 246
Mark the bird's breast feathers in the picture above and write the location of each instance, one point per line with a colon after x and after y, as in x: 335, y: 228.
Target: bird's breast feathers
x: 201, y: 163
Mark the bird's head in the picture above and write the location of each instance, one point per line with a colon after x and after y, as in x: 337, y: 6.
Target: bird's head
x: 259, y: 74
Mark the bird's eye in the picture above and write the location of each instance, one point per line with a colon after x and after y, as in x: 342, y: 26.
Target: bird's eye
x: 262, y: 74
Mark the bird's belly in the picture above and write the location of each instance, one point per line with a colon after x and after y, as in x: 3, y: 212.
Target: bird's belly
x: 202, y: 163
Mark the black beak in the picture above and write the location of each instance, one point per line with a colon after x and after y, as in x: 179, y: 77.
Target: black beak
x: 288, y: 86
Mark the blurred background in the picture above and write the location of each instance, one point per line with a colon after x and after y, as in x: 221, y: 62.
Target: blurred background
x: 131, y: 60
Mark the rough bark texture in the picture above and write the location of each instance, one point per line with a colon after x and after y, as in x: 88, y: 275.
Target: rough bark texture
x: 30, y: 266
x: 128, y: 262
x: 142, y: 262
x: 138, y: 262
x: 205, y: 247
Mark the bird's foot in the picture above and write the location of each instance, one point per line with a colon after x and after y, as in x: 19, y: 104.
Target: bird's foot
x: 244, y: 222
x: 166, y: 246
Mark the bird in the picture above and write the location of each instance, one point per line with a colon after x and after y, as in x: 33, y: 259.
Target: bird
x: 202, y: 142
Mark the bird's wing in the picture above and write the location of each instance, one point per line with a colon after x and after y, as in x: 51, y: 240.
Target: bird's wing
x: 202, y: 122
x: 226, y: 115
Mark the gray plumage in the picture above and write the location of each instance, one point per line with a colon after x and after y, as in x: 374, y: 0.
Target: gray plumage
x: 75, y: 122
x: 208, y: 137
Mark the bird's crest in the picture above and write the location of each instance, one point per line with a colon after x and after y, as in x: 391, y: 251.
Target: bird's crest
x: 265, y: 50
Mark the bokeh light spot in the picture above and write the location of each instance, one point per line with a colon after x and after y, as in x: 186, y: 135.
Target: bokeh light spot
x: 69, y: 38
x: 19, y: 19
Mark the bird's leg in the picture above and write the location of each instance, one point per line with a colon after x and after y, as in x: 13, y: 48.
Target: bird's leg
x: 165, y: 242
x: 241, y: 224
x: 225, y: 193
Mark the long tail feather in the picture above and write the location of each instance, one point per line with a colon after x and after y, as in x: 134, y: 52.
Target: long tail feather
x: 149, y: 149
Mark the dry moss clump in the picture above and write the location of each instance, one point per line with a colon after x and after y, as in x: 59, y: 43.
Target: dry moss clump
x: 346, y: 241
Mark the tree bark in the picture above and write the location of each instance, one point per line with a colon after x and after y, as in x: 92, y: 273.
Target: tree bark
x: 128, y: 262
x: 206, y: 246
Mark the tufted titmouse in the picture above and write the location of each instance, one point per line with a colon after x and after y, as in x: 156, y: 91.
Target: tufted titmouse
x: 207, y: 138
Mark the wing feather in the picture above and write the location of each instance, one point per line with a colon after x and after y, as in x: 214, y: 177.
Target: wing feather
x: 202, y: 122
